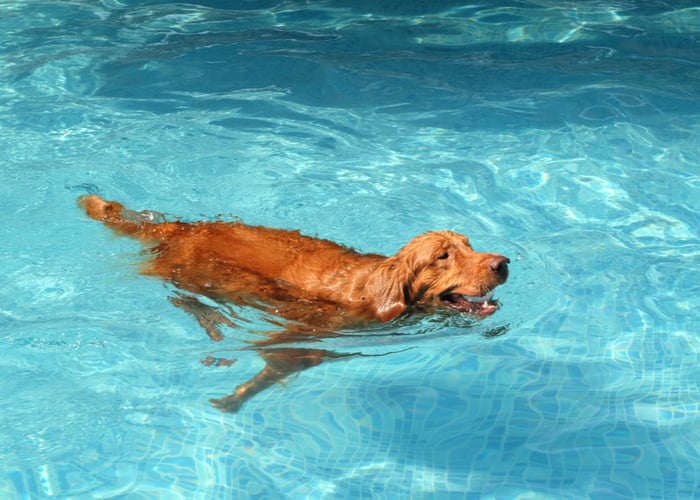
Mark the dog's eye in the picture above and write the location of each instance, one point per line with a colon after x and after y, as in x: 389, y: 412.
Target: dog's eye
x: 444, y: 256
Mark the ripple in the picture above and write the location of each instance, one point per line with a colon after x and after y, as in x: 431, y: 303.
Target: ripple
x: 564, y: 136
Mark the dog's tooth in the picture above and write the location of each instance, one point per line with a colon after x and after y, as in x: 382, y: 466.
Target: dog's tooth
x: 483, y: 298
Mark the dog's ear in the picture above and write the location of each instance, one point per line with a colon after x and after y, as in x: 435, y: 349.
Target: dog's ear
x: 385, y: 290
x: 393, y: 286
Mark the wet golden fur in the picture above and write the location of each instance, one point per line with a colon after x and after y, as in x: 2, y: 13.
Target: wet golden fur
x: 305, y: 280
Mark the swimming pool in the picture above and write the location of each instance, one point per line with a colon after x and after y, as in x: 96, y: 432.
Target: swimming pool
x: 562, y: 134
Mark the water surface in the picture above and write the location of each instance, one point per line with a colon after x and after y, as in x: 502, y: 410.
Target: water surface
x: 562, y: 134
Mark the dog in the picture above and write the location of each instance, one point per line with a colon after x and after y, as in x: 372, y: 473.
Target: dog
x: 316, y: 287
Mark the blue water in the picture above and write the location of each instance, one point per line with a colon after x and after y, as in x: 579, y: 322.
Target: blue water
x: 562, y: 134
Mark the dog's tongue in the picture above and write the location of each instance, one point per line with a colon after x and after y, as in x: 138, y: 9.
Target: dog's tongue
x: 477, y: 306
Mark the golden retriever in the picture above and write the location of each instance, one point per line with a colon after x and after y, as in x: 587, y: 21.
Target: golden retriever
x: 315, y: 285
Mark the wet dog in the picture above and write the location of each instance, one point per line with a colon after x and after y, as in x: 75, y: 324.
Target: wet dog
x: 315, y: 286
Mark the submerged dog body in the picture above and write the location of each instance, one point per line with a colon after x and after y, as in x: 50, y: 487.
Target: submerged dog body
x: 314, y: 283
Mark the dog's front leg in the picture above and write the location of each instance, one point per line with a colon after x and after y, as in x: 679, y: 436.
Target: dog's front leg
x: 279, y: 364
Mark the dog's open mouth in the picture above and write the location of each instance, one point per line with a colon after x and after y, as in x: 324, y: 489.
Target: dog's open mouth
x: 476, y: 306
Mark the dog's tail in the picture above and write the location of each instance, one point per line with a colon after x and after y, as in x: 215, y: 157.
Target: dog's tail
x: 146, y: 226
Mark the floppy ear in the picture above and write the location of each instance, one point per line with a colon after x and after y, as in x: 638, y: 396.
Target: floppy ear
x: 390, y: 288
x: 385, y: 289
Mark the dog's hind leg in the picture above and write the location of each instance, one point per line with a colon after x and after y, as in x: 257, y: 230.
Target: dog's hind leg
x: 207, y: 316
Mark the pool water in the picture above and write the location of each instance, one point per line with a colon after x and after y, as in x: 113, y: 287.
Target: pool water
x: 562, y: 134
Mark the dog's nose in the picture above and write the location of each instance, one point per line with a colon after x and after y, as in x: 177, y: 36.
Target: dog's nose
x: 499, y: 265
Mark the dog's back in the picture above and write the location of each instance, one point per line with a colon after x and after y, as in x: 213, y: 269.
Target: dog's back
x: 232, y: 258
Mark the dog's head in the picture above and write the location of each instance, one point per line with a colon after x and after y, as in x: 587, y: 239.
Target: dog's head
x: 440, y: 269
